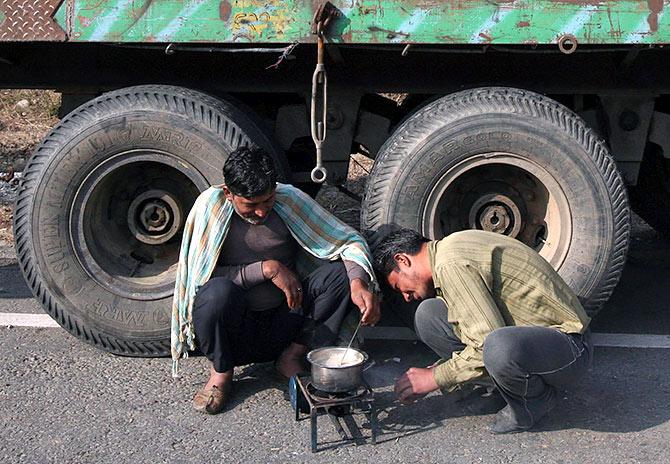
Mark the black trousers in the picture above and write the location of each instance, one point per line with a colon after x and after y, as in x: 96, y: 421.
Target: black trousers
x: 527, y: 364
x: 229, y: 334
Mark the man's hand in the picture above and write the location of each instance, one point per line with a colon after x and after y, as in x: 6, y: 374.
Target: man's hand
x: 285, y: 280
x: 414, y: 384
x: 367, y: 302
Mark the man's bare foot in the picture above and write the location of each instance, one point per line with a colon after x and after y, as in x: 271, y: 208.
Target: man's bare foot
x: 216, y: 393
x: 222, y: 381
x: 290, y: 362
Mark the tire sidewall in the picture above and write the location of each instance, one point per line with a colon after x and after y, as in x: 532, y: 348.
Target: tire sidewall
x: 83, y: 141
x: 441, y: 136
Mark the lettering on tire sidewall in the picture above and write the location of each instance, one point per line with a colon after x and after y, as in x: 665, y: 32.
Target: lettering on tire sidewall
x: 56, y: 260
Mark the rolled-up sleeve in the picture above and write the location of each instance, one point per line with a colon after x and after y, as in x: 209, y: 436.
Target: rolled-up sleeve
x: 355, y: 271
x: 245, y: 275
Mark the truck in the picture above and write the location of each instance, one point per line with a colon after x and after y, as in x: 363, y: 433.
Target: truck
x: 545, y: 120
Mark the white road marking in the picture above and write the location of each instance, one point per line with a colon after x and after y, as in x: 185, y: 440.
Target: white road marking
x: 26, y: 320
x: 631, y: 340
x: 382, y: 333
x: 599, y: 339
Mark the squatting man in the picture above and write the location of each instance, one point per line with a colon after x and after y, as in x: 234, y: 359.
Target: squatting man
x: 238, y: 295
x: 490, y: 306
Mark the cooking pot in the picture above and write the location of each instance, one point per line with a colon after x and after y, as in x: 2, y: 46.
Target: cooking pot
x: 333, y: 374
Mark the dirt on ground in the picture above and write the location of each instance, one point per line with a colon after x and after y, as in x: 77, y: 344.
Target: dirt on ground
x: 25, y: 118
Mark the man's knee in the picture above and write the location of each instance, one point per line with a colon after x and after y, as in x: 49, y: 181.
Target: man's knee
x: 502, y: 348
x: 212, y: 299
x: 336, y: 271
x: 427, y: 317
x: 332, y: 278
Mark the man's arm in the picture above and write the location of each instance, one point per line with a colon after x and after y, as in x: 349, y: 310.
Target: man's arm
x: 244, y: 276
x: 475, y: 313
x: 285, y: 280
x: 366, y: 301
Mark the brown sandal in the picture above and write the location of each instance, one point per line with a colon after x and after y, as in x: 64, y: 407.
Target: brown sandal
x: 211, y: 400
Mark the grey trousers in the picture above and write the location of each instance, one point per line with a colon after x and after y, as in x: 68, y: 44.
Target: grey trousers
x: 527, y: 364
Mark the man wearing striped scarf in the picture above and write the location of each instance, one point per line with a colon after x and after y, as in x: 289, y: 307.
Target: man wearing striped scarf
x: 238, y: 293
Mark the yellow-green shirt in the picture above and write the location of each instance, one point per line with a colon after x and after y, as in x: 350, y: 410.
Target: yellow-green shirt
x: 488, y: 281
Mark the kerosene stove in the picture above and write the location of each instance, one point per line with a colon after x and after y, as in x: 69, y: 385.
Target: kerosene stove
x: 308, y: 401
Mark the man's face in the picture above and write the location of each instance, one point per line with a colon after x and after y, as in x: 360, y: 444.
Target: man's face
x: 253, y: 210
x: 408, y: 282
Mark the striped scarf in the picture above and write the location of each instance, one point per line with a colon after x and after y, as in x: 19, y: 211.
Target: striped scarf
x: 316, y: 230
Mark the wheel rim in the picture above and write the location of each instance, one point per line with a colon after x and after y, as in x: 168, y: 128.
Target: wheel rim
x: 503, y: 193
x: 126, y: 221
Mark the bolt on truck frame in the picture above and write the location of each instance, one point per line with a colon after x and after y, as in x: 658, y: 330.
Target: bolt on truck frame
x: 533, y: 118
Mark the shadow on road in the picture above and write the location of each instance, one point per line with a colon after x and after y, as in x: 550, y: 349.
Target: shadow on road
x: 12, y: 284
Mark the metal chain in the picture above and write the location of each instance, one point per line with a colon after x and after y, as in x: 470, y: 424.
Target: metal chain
x: 318, y: 115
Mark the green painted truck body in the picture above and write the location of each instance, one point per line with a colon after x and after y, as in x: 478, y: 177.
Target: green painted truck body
x: 361, y: 21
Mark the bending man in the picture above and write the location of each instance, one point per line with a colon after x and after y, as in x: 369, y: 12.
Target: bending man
x: 491, y: 306
x: 238, y: 293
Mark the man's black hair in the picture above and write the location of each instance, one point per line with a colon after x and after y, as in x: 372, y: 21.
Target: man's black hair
x: 250, y: 172
x: 399, y: 241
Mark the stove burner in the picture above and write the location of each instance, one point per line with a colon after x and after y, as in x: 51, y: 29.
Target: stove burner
x: 309, y: 400
x: 325, y: 397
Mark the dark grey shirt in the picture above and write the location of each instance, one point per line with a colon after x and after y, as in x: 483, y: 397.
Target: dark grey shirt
x: 245, y: 248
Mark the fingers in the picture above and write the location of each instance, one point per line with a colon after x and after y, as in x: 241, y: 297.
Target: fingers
x: 289, y: 299
x: 293, y: 297
x: 298, y: 297
x: 403, y: 390
x: 372, y: 313
x: 366, y: 303
x: 287, y: 282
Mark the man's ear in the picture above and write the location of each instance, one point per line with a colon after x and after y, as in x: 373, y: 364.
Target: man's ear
x: 402, y: 258
x: 227, y: 193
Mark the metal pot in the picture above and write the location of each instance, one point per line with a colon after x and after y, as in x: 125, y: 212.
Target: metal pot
x: 330, y: 376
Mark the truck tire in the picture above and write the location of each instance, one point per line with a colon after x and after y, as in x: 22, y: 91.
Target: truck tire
x: 512, y: 162
x: 100, y: 212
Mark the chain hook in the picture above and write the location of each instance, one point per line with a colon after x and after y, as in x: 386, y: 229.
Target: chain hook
x: 318, y: 114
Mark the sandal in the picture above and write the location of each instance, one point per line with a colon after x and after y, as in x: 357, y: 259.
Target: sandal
x: 211, y: 400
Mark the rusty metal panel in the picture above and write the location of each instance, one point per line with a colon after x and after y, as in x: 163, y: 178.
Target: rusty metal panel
x: 363, y: 21
x: 30, y: 20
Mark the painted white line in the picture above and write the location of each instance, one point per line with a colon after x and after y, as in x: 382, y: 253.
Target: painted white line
x: 599, y: 339
x: 26, y: 320
x: 631, y: 340
x: 383, y: 333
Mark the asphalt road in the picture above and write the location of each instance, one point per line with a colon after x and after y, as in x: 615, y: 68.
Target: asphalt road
x: 64, y: 401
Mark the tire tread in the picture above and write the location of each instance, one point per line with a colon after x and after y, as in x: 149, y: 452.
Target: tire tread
x: 204, y: 109
x: 504, y: 100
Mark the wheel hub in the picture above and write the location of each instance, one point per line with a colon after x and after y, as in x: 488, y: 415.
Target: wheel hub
x: 496, y: 213
x: 503, y: 193
x: 154, y: 217
x: 127, y: 217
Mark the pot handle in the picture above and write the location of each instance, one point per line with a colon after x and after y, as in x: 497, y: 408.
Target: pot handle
x: 369, y: 365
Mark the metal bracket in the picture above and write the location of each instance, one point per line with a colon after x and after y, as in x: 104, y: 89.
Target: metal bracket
x: 318, y: 113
